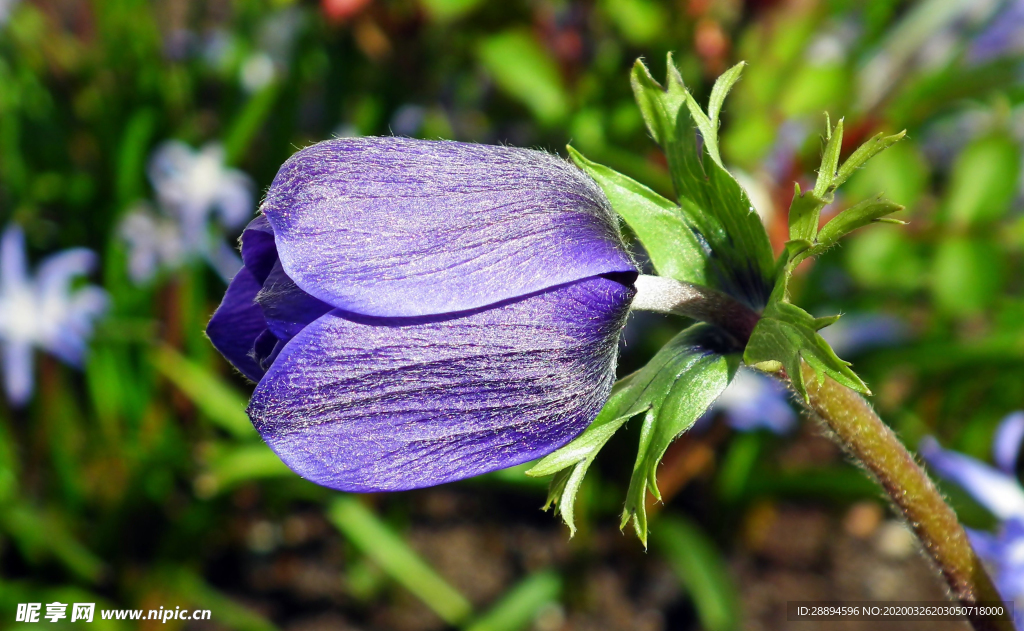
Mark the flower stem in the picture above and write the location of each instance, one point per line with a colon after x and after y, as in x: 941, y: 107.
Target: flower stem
x: 667, y: 295
x: 863, y: 434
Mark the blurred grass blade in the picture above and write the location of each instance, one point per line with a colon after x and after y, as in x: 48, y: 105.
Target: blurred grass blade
x: 131, y: 158
x: 224, y: 610
x: 519, y: 607
x: 233, y: 465
x: 695, y: 560
x: 248, y: 122
x: 223, y: 405
x: 38, y: 535
x: 395, y: 557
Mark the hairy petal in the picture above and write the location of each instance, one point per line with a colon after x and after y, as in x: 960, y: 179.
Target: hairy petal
x: 259, y: 252
x: 286, y: 308
x: 237, y: 323
x: 368, y: 404
x: 395, y: 227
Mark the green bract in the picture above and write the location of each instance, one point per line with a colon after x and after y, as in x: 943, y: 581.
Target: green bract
x: 711, y: 236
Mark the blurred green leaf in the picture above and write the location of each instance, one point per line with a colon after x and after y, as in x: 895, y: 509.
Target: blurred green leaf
x: 518, y: 607
x: 521, y: 67
x: 695, y: 560
x: 640, y: 21
x: 787, y: 334
x: 984, y: 180
x: 885, y: 259
x: 448, y: 10
x: 395, y: 557
x: 968, y: 274
x: 221, y: 403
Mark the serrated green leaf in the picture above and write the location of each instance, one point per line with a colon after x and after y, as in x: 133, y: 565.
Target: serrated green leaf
x: 787, y: 334
x: 662, y: 227
x: 878, y: 143
x: 587, y: 444
x: 857, y: 216
x: 804, y: 211
x: 687, y: 378
x: 829, y: 161
x: 723, y: 85
x: 570, y: 463
x: 658, y: 105
x: 715, y: 205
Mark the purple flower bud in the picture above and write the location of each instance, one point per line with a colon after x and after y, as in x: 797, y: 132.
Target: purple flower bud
x: 419, y: 312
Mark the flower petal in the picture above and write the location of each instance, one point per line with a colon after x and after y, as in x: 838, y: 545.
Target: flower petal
x: 13, y: 266
x: 259, y: 253
x: 1001, y: 494
x: 286, y: 308
x: 18, y: 376
x: 398, y: 227
x: 237, y: 323
x: 1007, y: 442
x: 366, y: 404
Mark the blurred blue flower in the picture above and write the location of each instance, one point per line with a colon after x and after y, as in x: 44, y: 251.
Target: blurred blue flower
x: 418, y: 312
x: 998, y: 490
x: 854, y: 333
x: 43, y: 312
x: 1004, y: 35
x: 754, y: 401
x: 191, y: 186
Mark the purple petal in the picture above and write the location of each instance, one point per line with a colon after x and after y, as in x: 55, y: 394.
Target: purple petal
x: 1006, y: 445
x: 237, y: 323
x: 259, y: 253
x: 18, y: 382
x: 13, y: 266
x: 366, y: 404
x: 1001, y: 494
x: 753, y: 401
x: 398, y: 227
x: 286, y: 308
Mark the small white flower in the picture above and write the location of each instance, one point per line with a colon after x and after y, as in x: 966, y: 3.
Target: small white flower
x: 43, y: 312
x: 192, y: 187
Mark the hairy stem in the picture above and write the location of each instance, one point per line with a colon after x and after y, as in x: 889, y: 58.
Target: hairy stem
x: 666, y: 295
x: 863, y: 434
